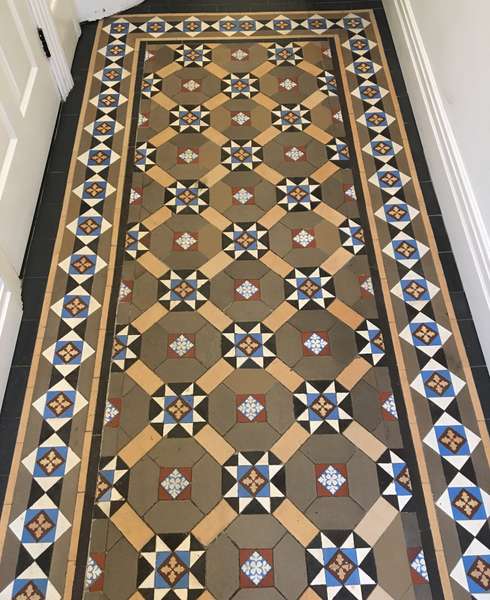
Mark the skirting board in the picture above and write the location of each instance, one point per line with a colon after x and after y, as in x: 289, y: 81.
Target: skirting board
x: 90, y: 10
x: 467, y: 230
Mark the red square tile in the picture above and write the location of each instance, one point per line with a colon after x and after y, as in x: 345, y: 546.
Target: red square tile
x: 112, y: 416
x: 388, y: 406
x: 242, y: 195
x: 126, y: 291
x: 240, y: 118
x: 187, y: 156
x: 287, y: 84
x: 315, y: 343
x: 366, y: 285
x: 190, y: 85
x: 185, y: 241
x: 349, y: 192
x: 250, y: 408
x: 96, y: 583
x: 247, y: 289
x: 294, y: 154
x: 181, y: 345
x: 175, y: 483
x: 331, y: 480
x: 239, y: 54
x: 136, y: 196
x: 303, y: 238
x: 144, y: 120
x: 256, y: 568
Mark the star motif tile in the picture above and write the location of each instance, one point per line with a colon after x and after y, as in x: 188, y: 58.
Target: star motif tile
x: 322, y: 406
x: 183, y: 290
x: 253, y: 482
x: 298, y: 194
x: 309, y: 288
x: 240, y: 85
x: 245, y: 241
x: 248, y: 345
x: 187, y: 197
x: 178, y: 410
x: 241, y: 155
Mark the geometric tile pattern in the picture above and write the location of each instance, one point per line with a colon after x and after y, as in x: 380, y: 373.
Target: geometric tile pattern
x: 253, y: 374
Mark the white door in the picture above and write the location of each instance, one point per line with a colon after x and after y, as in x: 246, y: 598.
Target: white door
x: 29, y: 102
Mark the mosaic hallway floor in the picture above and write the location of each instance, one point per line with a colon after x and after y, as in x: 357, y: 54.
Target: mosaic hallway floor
x: 289, y: 412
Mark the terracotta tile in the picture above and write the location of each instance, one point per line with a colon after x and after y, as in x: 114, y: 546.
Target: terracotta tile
x: 289, y: 442
x: 214, y: 315
x: 144, y: 377
x: 364, y: 440
x: 376, y: 522
x: 295, y: 522
x: 140, y: 445
x: 149, y: 317
x: 132, y: 526
x: 284, y: 374
x: 279, y: 316
x: 214, y: 522
x: 214, y: 444
x: 345, y: 313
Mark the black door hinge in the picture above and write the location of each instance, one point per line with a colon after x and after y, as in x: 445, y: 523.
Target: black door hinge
x: 44, y: 43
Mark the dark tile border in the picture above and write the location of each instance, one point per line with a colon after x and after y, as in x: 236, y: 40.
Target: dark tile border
x: 38, y: 254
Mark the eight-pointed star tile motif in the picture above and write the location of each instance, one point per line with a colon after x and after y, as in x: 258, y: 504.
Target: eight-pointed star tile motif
x: 241, y: 155
x: 245, y: 241
x: 248, y: 345
x: 309, y: 288
x: 340, y: 564
x: 298, y: 194
x: 179, y: 410
x: 253, y: 482
x: 187, y: 196
x: 291, y: 117
x: 183, y: 290
x: 322, y: 406
x: 171, y: 566
x: 188, y: 118
x: 240, y: 85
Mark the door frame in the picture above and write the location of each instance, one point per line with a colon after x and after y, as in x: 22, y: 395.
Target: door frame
x: 60, y: 67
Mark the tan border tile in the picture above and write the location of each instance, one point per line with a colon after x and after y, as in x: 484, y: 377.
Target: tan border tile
x: 216, y: 101
x: 376, y: 521
x: 295, y: 522
x: 214, y: 444
x: 314, y: 99
x: 268, y: 173
x: 329, y: 214
x: 380, y: 594
x: 336, y: 261
x: 164, y: 101
x: 353, y: 372
x: 216, y: 70
x: 215, y: 136
x: 290, y: 441
x: 263, y: 100
x: 151, y: 316
x: 144, y: 377
x: 169, y: 69
x: 263, y: 69
x: 214, y: 315
x: 279, y: 316
x: 216, y: 264
x: 163, y: 137
x: 309, y: 594
x: 267, y: 136
x: 139, y: 445
x: 309, y: 68
x: 272, y: 216
x: 160, y: 176
x: 214, y: 522
x: 345, y: 313
x: 215, y: 218
x: 157, y: 218
x: 284, y: 374
x: 326, y: 170
x: 215, y: 175
x: 153, y: 264
x: 364, y: 440
x: 276, y: 263
x: 132, y: 526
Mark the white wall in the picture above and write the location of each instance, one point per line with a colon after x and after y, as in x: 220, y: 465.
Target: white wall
x: 89, y: 10
x: 444, y: 49
x: 66, y: 21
